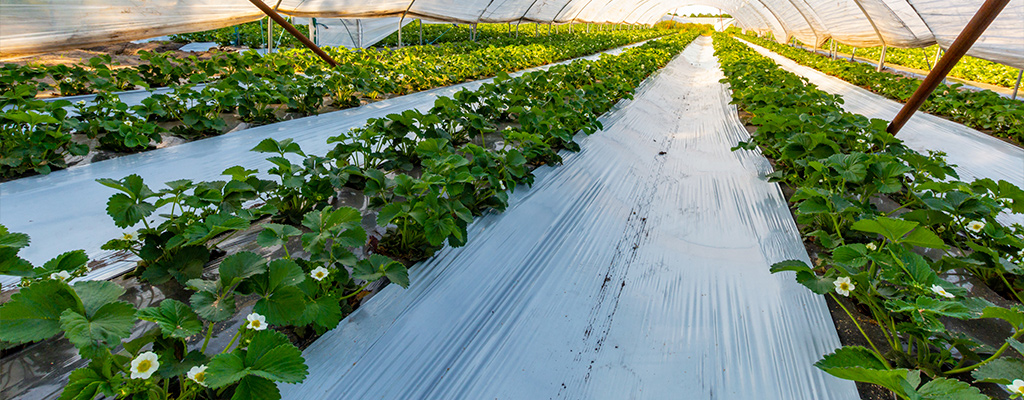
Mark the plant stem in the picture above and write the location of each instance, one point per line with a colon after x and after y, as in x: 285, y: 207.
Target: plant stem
x: 355, y: 292
x: 1008, y: 287
x: 878, y: 353
x: 209, y: 333
x: 232, y: 341
x: 987, y: 360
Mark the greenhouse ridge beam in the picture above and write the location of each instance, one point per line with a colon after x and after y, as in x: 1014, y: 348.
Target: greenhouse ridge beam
x: 981, y: 20
x: 294, y: 32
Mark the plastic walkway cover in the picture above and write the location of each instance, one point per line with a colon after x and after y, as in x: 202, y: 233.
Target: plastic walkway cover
x: 975, y: 154
x: 638, y: 269
x: 39, y: 205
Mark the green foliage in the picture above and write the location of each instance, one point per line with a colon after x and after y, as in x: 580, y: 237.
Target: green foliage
x: 842, y: 167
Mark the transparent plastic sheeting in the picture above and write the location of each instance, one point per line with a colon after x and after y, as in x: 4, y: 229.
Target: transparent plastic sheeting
x: 66, y: 209
x: 638, y: 269
x: 974, y: 154
x: 35, y: 26
x: 355, y: 33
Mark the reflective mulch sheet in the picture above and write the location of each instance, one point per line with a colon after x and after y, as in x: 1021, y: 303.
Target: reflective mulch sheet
x: 975, y: 154
x: 66, y: 209
x: 638, y: 269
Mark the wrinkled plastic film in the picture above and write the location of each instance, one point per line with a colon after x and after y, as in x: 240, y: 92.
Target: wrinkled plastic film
x: 637, y: 269
x: 65, y: 209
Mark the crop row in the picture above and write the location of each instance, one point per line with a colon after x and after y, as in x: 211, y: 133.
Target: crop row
x: 889, y: 224
x: 984, y: 110
x: 250, y: 34
x: 970, y: 68
x: 37, y: 136
x: 426, y: 176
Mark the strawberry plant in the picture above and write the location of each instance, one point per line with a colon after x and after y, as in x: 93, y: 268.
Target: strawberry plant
x: 889, y: 261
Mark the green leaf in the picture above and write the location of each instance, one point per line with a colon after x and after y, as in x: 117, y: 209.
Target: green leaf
x: 69, y: 261
x: 104, y: 329
x: 34, y: 312
x: 96, y: 294
x: 240, y: 266
x: 13, y: 240
x: 851, y: 255
x: 397, y: 273
x: 279, y: 297
x: 892, y: 229
x: 86, y: 384
x: 924, y: 237
x: 1001, y: 370
x: 126, y: 212
x: 859, y: 364
x: 269, y: 355
x: 176, y: 319
x: 1014, y: 316
x: 805, y: 276
x: 212, y: 306
x: 256, y: 388
x: 389, y: 212
x: 324, y: 311
x: 11, y: 264
x: 276, y: 234
x: 950, y: 389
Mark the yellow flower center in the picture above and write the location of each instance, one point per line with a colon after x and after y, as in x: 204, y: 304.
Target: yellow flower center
x: 144, y: 365
x: 255, y: 323
x: 319, y: 274
x: 844, y: 286
x: 200, y: 377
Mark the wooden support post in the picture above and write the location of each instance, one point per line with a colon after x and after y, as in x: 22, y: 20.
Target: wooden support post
x: 981, y: 20
x: 291, y: 29
x: 1017, y: 85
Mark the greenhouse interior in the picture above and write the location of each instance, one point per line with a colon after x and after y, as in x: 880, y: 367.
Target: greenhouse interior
x: 514, y: 199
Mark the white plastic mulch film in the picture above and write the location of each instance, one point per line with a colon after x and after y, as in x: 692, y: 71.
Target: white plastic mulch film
x: 35, y: 26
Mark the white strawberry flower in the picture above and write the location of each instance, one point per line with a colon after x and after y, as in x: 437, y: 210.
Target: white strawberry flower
x: 68, y: 80
x: 144, y: 365
x: 129, y: 236
x: 860, y: 140
x: 871, y: 246
x: 975, y: 226
x: 198, y: 374
x: 939, y: 290
x: 256, y: 322
x: 319, y: 273
x: 844, y: 286
x: 1017, y: 387
x: 60, y: 276
x: 128, y: 122
x: 80, y: 102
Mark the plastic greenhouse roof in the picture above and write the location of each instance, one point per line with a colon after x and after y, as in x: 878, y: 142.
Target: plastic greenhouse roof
x: 35, y: 26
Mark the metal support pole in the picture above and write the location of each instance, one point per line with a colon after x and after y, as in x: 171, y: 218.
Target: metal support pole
x: 881, y: 60
x: 400, y: 21
x: 421, y: 31
x: 938, y: 53
x: 981, y: 20
x: 853, y: 53
x: 294, y: 32
x: 270, y: 36
x: 359, y: 34
x: 312, y: 26
x: 474, y: 32
x: 1017, y: 85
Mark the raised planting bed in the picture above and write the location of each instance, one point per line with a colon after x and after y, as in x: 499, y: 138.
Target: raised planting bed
x: 418, y: 179
x: 899, y: 243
